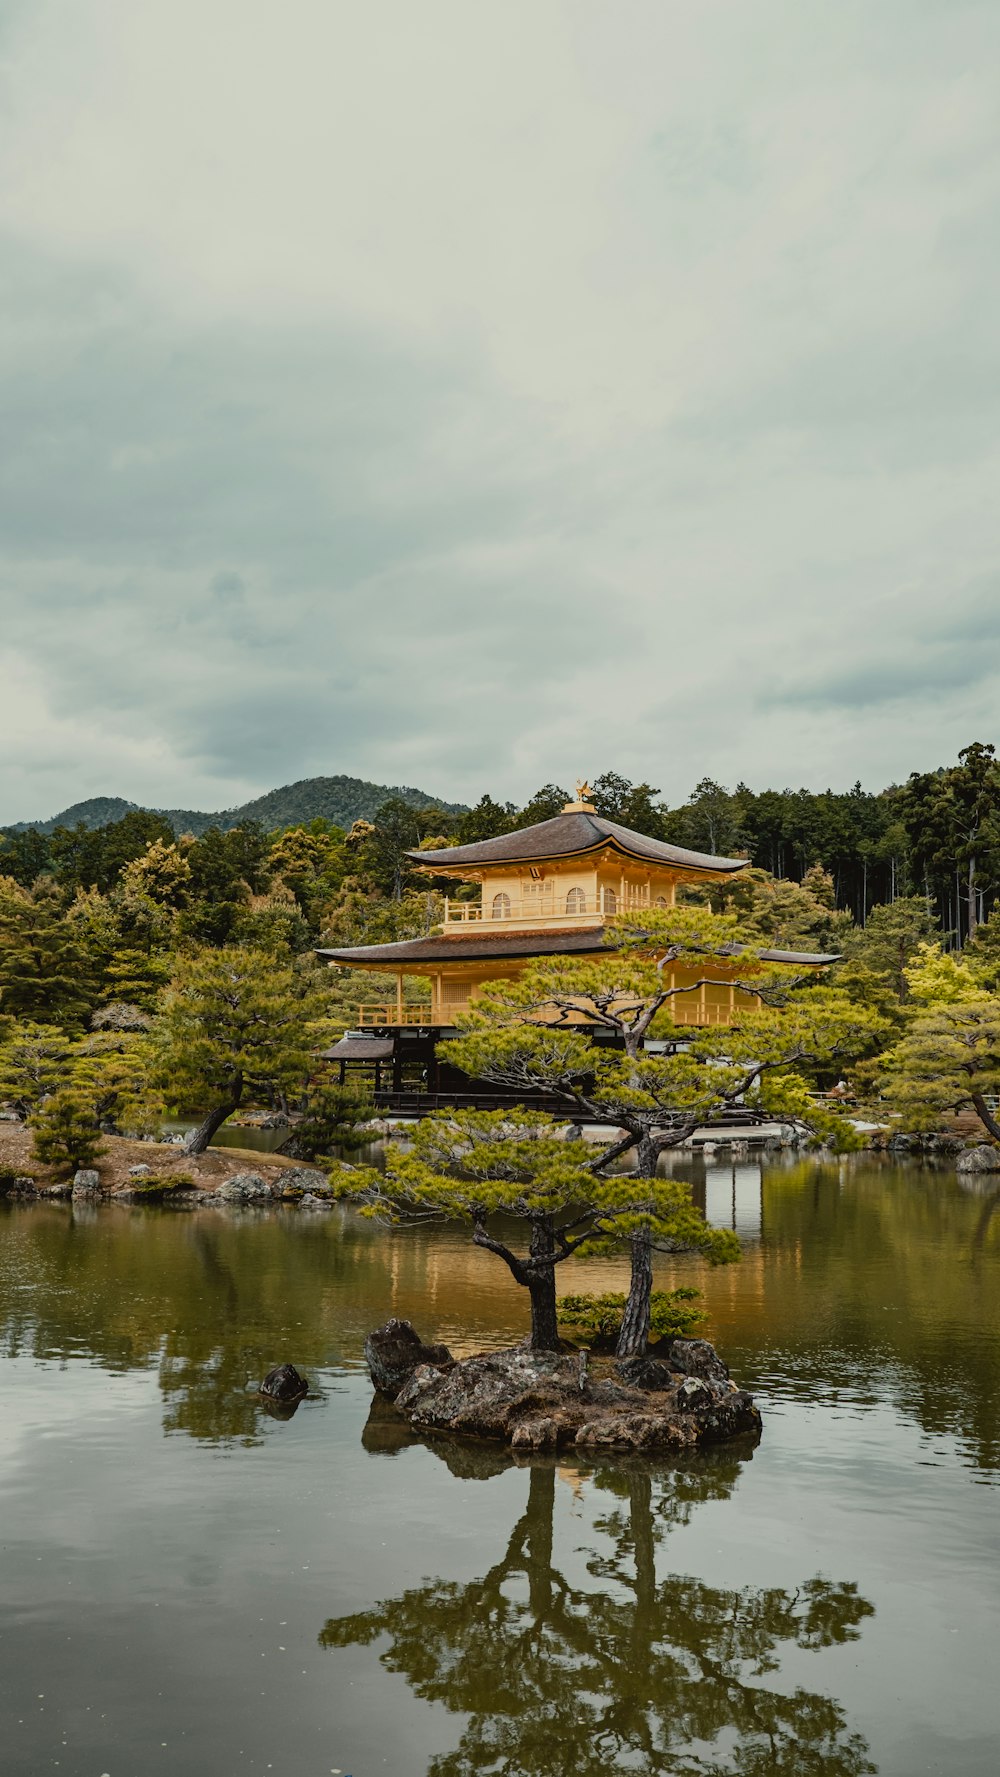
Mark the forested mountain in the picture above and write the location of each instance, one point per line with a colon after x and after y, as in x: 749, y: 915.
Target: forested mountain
x: 936, y: 836
x: 342, y: 800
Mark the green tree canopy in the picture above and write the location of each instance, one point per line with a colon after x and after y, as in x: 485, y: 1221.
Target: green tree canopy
x: 478, y: 1166
x: 535, y: 1035
x: 46, y: 973
x: 238, y: 1022
x: 948, y: 1061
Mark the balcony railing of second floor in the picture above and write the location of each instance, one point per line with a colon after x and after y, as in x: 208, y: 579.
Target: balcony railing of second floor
x: 379, y: 1014
x: 541, y: 908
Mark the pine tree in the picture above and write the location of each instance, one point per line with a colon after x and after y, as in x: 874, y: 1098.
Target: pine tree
x: 66, y: 1131
x: 534, y: 1035
x: 477, y: 1166
x: 46, y: 973
x: 237, y: 1023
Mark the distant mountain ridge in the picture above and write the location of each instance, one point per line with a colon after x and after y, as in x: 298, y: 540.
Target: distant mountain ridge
x: 342, y: 800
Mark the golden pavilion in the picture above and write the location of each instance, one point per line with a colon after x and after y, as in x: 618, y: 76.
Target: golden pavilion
x: 545, y: 890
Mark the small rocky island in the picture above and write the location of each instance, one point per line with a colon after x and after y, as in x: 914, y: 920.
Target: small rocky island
x: 548, y: 1400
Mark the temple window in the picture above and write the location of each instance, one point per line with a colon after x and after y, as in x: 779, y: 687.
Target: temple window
x: 610, y: 901
x: 501, y: 906
x: 661, y: 901
x: 576, y: 901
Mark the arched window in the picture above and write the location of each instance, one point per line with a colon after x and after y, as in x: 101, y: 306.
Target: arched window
x: 576, y: 901
x: 610, y: 901
x: 501, y: 906
x: 661, y: 901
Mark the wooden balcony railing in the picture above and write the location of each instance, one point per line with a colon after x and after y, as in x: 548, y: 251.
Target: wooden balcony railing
x: 382, y: 1016
x: 562, y: 907
x: 696, y: 1013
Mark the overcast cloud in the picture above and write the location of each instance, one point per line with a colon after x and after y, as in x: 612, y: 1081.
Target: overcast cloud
x: 471, y: 395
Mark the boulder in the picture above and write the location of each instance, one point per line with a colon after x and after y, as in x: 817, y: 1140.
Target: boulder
x: 296, y: 1179
x: 284, y: 1384
x: 696, y: 1357
x: 537, y: 1401
x: 980, y: 1159
x: 395, y: 1351
x: 648, y: 1373
x: 86, y: 1183
x: 247, y: 1187
x: 141, y: 1171
x: 23, y: 1186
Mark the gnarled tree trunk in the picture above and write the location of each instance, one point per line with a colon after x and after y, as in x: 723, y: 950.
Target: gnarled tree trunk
x: 199, y: 1138
x: 540, y: 1275
x: 635, y: 1321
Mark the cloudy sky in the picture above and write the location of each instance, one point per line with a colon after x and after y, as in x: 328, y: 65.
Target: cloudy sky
x: 469, y: 394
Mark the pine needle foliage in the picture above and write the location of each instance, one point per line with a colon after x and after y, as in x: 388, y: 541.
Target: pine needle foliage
x: 479, y: 1167
x: 66, y: 1132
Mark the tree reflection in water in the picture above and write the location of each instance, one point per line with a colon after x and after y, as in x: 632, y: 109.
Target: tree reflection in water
x: 637, y: 1673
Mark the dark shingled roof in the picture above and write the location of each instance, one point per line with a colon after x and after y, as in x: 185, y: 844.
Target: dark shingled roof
x: 472, y: 949
x: 502, y: 945
x: 355, y: 1047
x: 564, y: 836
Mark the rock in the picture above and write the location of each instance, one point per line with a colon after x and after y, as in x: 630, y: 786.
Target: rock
x: 980, y: 1159
x: 692, y: 1394
x: 86, y: 1183
x: 308, y: 1201
x: 395, y: 1351
x: 696, y: 1357
x: 141, y: 1171
x: 247, y: 1187
x: 304, y: 1178
x: 23, y: 1186
x: 284, y: 1384
x: 12, y: 1184
x: 533, y: 1401
x: 61, y: 1190
x: 648, y: 1373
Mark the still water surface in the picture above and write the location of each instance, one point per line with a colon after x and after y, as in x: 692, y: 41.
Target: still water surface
x: 194, y: 1588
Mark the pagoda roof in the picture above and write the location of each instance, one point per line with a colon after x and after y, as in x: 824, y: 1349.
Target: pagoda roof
x: 566, y: 835
x: 490, y: 947
x: 354, y: 1045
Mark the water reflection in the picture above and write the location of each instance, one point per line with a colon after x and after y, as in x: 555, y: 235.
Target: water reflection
x: 605, y: 1665
x: 868, y: 1283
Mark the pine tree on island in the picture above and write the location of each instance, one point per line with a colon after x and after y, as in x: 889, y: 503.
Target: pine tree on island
x: 535, y: 1034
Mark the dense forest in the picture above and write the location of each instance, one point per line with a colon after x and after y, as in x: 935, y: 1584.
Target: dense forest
x: 936, y: 836
x: 140, y: 968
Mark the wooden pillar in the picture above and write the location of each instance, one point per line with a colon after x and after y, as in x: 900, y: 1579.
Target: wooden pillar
x: 399, y: 997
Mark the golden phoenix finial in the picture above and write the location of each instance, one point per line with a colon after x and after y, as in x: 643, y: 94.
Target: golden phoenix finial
x: 583, y: 791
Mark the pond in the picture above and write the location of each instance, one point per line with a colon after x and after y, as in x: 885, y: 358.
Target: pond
x: 192, y: 1587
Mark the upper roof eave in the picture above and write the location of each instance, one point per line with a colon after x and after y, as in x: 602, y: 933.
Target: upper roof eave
x: 566, y: 836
